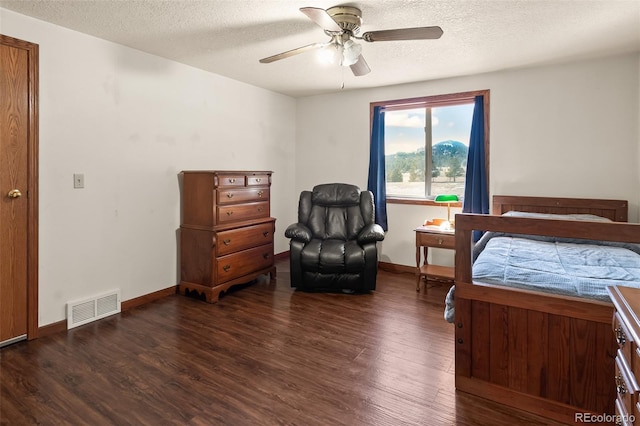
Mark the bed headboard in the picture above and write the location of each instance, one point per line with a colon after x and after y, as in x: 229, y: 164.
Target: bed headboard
x: 616, y: 210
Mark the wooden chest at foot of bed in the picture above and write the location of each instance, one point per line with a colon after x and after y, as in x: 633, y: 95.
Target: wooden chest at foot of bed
x: 536, y: 352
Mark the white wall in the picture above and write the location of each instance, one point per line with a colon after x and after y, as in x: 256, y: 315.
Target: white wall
x: 567, y: 130
x: 131, y: 122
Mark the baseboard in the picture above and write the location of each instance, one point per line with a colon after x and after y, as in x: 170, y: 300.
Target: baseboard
x: 53, y: 328
x: 395, y: 268
x: 282, y: 256
x: 60, y: 326
x: 147, y: 298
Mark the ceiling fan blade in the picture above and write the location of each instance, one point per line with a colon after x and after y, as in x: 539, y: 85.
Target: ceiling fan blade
x: 292, y: 52
x: 361, y: 67
x: 322, y: 18
x: 419, y: 33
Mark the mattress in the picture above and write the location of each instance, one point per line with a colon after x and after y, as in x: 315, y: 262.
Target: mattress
x: 582, y: 269
x: 564, y: 266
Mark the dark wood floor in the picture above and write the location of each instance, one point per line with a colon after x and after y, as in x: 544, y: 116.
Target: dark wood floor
x: 263, y: 355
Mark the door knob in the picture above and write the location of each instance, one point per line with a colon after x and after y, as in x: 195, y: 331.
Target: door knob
x: 14, y: 193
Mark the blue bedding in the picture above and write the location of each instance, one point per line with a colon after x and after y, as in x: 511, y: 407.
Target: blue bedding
x: 582, y: 270
x: 573, y: 267
x: 479, y: 246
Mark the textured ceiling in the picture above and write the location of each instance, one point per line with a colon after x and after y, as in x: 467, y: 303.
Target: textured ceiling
x: 228, y: 37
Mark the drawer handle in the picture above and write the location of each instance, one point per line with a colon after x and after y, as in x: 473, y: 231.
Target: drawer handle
x: 620, y: 386
x: 230, y: 194
x: 260, y: 193
x: 229, y: 213
x: 226, y: 268
x: 258, y: 179
x: 440, y: 241
x: 621, y: 338
x: 265, y: 234
x: 232, y: 180
x: 266, y: 255
x: 226, y: 242
x: 260, y: 209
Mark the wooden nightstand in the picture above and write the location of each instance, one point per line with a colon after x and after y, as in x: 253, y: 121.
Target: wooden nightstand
x: 433, y: 236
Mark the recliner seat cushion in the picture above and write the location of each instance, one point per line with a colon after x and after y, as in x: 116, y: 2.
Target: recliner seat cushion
x: 332, y: 256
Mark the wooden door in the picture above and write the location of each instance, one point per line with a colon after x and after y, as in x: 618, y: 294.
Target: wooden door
x: 18, y: 190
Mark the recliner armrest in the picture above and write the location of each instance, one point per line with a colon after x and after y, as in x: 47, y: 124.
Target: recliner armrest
x: 298, y: 231
x: 371, y: 233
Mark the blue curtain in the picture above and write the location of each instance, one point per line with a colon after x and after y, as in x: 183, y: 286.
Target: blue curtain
x: 476, y: 193
x: 377, y: 181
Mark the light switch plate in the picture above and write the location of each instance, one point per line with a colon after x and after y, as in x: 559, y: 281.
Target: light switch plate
x: 78, y: 180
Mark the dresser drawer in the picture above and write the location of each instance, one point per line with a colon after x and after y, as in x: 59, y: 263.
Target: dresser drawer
x: 243, y: 263
x: 622, y: 417
x: 239, y: 212
x: 242, y: 195
x: 234, y: 180
x: 626, y: 385
x: 243, y: 238
x: 623, y: 336
x: 436, y: 240
x: 254, y: 180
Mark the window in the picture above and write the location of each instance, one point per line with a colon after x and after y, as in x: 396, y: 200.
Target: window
x: 426, y: 145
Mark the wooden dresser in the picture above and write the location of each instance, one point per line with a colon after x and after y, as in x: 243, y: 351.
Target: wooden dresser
x: 626, y: 327
x: 226, y: 235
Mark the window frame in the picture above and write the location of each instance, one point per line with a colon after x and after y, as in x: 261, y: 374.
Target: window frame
x: 431, y: 102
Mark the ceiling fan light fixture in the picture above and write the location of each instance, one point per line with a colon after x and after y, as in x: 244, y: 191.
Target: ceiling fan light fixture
x: 331, y: 54
x: 351, y: 53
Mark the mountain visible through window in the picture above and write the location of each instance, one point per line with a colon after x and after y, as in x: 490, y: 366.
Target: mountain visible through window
x: 426, y: 150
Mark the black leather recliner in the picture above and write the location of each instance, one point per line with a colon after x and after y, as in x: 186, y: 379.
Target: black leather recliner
x: 333, y: 245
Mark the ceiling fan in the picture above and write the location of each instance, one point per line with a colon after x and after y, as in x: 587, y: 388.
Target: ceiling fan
x: 342, y: 24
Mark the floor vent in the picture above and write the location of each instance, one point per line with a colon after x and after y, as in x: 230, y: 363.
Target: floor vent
x: 93, y: 308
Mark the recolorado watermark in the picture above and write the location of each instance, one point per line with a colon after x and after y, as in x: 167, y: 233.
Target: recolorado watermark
x: 603, y: 418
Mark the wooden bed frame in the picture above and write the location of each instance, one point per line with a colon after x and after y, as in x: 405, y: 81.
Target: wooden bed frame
x: 547, y: 354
